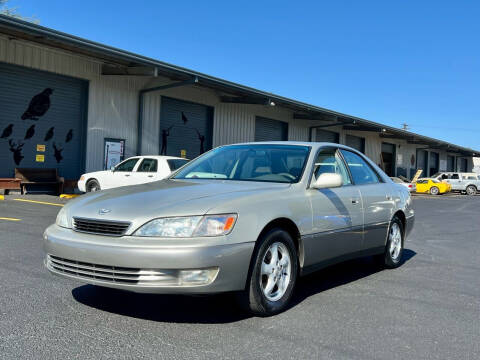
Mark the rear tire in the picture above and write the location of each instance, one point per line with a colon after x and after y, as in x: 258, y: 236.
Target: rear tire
x: 272, y: 276
x: 92, y: 185
x: 471, y: 190
x: 434, y: 190
x: 392, y: 257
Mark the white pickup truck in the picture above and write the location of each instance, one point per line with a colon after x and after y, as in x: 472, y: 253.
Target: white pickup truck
x: 468, y: 183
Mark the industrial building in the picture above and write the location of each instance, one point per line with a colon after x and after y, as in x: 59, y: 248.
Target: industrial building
x: 64, y: 99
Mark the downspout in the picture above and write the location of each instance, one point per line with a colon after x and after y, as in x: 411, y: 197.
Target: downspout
x: 141, y: 94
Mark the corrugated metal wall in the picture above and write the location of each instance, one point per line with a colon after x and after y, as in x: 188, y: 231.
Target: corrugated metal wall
x: 113, y: 107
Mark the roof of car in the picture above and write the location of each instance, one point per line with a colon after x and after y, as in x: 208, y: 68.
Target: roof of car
x: 157, y: 157
x: 296, y: 143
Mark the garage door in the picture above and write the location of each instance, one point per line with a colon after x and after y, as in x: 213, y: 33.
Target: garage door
x: 388, y: 159
x: 326, y: 136
x: 355, y: 142
x: 185, y: 128
x: 42, y: 121
x: 270, y: 130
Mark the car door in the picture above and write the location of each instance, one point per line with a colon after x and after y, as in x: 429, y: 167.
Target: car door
x: 378, y: 199
x: 122, y: 174
x: 337, y: 214
x: 146, y: 171
x: 456, y: 182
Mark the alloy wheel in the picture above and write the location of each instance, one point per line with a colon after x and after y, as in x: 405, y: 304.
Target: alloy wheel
x: 395, y: 241
x: 276, y: 271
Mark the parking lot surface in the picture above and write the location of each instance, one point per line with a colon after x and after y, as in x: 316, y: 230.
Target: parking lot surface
x: 427, y: 309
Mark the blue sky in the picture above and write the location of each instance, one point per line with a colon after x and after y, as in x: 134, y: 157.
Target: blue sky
x: 392, y: 62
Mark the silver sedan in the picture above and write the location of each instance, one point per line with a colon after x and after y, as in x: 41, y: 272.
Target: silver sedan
x: 247, y: 218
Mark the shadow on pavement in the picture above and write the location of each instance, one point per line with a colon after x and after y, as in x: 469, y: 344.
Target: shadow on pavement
x: 220, y: 308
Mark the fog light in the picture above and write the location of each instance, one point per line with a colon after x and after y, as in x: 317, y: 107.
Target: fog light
x: 197, y: 277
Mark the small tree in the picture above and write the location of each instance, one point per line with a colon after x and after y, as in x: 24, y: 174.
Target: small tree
x: 13, y: 12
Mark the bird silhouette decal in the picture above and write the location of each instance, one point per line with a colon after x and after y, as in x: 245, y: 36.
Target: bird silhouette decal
x: 69, y: 136
x: 7, y: 132
x: 49, y: 134
x: 184, y: 119
x: 57, y: 153
x: 38, y: 106
x: 30, y: 132
x: 16, y: 149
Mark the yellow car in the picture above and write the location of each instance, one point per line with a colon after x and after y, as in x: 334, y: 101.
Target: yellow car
x: 432, y: 186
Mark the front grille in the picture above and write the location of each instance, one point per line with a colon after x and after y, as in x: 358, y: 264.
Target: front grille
x: 112, y: 274
x: 101, y: 227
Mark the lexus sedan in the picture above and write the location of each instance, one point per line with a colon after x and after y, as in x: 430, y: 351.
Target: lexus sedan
x: 247, y: 218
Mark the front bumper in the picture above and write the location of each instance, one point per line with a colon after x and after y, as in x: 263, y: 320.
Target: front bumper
x: 123, y: 263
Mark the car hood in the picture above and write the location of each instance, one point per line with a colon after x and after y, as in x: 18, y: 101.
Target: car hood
x: 141, y: 203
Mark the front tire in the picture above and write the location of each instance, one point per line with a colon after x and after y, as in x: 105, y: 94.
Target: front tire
x: 272, y: 276
x: 434, y: 190
x: 471, y: 190
x: 392, y: 257
x: 92, y: 185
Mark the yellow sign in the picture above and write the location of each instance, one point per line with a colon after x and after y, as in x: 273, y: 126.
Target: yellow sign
x: 40, y: 158
x: 183, y: 153
x: 417, y: 175
x: 40, y: 148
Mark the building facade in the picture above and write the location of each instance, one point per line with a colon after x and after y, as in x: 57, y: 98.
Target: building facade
x: 62, y: 98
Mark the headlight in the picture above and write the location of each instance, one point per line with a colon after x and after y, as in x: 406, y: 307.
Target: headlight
x: 62, y: 219
x: 82, y: 177
x: 189, y: 226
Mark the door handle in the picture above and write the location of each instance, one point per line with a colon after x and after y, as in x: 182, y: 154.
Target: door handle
x: 355, y: 201
x: 127, y: 175
x: 150, y: 175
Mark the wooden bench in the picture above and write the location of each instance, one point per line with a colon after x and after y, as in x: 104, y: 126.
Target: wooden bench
x: 39, y: 177
x: 7, y: 184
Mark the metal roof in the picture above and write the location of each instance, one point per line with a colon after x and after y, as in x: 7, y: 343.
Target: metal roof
x: 117, y: 57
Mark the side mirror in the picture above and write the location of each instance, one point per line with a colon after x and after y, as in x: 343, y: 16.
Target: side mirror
x: 327, y: 180
x: 112, y: 168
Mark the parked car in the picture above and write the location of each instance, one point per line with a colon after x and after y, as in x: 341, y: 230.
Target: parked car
x: 409, y: 185
x: 248, y: 218
x: 133, y: 171
x: 468, y: 183
x: 432, y: 186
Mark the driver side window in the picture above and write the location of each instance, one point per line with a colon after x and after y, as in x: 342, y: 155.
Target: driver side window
x: 127, y: 165
x: 329, y: 161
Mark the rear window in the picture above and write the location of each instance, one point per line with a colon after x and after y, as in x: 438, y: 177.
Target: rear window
x: 175, y: 164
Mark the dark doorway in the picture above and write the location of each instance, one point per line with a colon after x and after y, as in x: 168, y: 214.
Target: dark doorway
x: 388, y: 158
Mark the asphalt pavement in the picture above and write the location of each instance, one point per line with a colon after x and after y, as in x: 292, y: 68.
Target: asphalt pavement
x: 427, y: 309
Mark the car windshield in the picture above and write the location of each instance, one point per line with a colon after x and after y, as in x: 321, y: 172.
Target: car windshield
x: 267, y: 163
x: 436, y: 175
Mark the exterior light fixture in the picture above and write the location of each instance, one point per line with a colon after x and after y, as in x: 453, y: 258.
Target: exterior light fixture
x: 271, y: 103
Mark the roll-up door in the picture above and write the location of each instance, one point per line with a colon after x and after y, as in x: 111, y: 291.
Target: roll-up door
x: 450, y: 163
x: 326, y: 136
x: 433, y: 163
x: 388, y: 158
x: 42, y: 121
x: 422, y: 161
x: 355, y: 142
x: 270, y: 130
x: 185, y: 128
